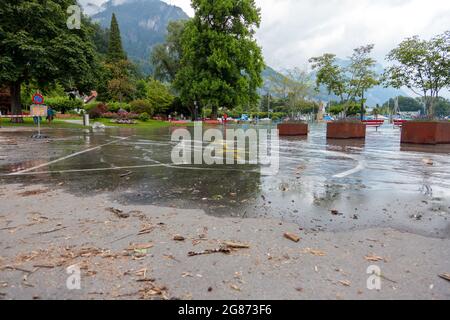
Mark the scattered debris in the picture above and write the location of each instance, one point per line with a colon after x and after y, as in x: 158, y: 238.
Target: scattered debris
x: 335, y: 212
x: 374, y: 258
x: 146, y: 229
x: 143, y: 246
x: 223, y: 249
x: 126, y: 174
x: 119, y: 213
x: 235, y: 287
x: 445, y: 276
x: 292, y: 237
x: 33, y: 192
x: 236, y: 245
x: 51, y: 231
x: 345, y: 283
x: 314, y: 252
x: 178, y: 238
x: 45, y: 266
x: 152, y: 291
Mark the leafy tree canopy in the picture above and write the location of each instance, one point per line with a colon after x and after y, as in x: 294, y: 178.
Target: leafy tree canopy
x: 221, y: 64
x: 36, y: 44
x: 422, y: 66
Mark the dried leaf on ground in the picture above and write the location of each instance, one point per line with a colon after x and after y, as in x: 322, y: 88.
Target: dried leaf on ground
x: 177, y: 237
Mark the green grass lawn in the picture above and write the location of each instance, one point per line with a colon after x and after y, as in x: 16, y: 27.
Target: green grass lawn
x: 60, y: 123
x: 28, y: 122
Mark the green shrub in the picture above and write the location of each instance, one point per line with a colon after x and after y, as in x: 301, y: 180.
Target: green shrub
x: 64, y: 104
x: 141, y: 106
x: 116, y: 106
x: 88, y: 107
x: 144, y: 117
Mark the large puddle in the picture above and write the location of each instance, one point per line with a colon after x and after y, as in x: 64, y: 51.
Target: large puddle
x: 322, y: 184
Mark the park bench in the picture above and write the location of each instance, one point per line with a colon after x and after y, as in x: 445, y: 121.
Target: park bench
x: 399, y: 123
x: 373, y: 123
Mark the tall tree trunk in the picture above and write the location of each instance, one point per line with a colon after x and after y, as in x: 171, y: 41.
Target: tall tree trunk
x: 16, y: 106
x: 362, y: 106
x: 214, y: 113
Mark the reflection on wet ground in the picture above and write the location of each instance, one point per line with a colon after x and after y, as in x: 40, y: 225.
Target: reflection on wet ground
x: 322, y: 184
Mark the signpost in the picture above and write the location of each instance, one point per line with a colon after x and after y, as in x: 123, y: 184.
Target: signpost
x: 38, y: 98
x: 38, y: 110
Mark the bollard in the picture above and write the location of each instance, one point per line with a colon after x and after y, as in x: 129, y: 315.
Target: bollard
x: 86, y: 120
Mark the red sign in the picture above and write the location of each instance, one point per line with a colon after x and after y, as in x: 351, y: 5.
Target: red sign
x: 38, y: 98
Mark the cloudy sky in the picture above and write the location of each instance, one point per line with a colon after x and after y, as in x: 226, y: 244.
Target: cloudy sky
x: 292, y: 31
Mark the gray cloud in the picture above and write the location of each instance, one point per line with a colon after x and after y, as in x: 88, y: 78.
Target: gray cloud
x: 292, y: 31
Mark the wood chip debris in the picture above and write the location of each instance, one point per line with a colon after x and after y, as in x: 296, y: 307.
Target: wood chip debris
x: 235, y: 245
x: 224, y: 250
x: 177, y: 237
x: 318, y: 253
x: 373, y: 258
x: 345, y: 283
x: 445, y: 276
x: 119, y: 213
x: 292, y: 237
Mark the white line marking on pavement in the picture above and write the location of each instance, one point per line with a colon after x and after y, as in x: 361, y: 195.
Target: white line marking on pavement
x: 67, y: 157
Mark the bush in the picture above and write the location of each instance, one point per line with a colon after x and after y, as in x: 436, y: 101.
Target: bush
x: 110, y: 115
x: 116, y: 106
x: 88, y: 107
x: 144, y: 117
x: 64, y: 104
x: 96, y: 113
x: 141, y: 106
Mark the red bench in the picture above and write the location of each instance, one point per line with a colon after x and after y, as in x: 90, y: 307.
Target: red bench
x: 399, y: 123
x: 373, y: 123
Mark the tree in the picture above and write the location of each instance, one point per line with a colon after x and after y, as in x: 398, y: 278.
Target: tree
x: 329, y: 74
x: 36, y: 45
x: 120, y: 80
x: 348, y: 83
x: 293, y: 87
x: 166, y: 57
x: 421, y: 66
x: 442, y: 107
x: 159, y: 96
x: 405, y: 104
x: 115, y: 50
x: 221, y: 64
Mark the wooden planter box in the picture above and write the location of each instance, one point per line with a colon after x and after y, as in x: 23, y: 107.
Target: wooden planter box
x: 346, y: 130
x: 293, y: 129
x: 426, y: 132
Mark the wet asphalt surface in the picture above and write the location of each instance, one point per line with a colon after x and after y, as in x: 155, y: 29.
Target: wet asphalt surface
x: 405, y: 187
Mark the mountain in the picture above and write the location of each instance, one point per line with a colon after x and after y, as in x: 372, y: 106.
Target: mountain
x: 143, y: 24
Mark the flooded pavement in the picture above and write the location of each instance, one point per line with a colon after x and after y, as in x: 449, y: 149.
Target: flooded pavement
x: 329, y: 185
